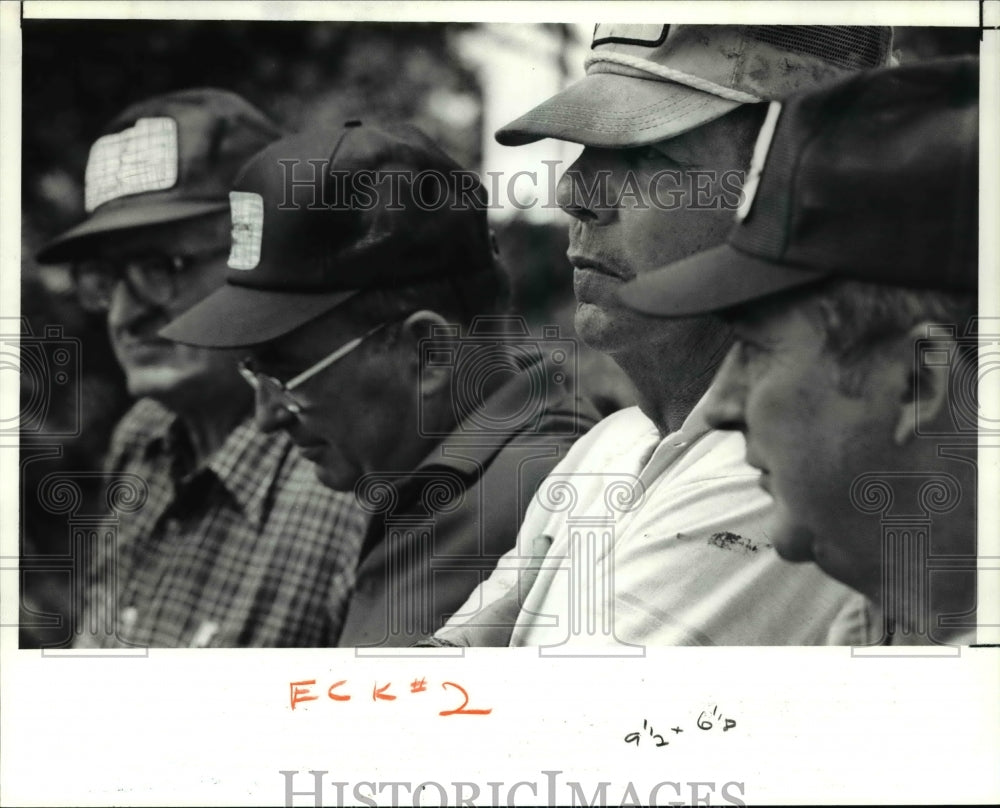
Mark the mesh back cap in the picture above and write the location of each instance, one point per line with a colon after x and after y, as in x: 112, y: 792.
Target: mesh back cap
x: 647, y: 83
x: 164, y: 159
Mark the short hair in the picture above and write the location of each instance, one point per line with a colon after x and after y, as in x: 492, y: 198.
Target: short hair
x: 459, y: 298
x: 858, y: 320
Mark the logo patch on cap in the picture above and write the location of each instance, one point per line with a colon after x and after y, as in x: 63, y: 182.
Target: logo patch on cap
x: 247, y: 212
x: 137, y: 160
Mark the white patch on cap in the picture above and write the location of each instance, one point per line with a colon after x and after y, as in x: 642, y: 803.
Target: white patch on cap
x: 760, y: 150
x: 137, y: 160
x: 247, y: 212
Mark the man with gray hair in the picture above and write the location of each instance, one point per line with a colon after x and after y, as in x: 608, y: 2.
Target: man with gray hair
x: 365, y: 292
x: 850, y: 279
x: 655, y: 519
x: 237, y: 544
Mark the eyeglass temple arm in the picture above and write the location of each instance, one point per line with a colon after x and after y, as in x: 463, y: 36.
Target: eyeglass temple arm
x: 343, y: 350
x: 346, y: 348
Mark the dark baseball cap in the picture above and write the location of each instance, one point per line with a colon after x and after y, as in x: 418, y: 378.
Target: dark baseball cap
x: 164, y: 159
x: 321, y: 216
x: 875, y: 178
x: 650, y: 82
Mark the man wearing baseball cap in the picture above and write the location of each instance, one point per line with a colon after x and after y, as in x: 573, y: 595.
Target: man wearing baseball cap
x: 236, y: 544
x: 365, y: 291
x: 667, y: 115
x: 850, y: 279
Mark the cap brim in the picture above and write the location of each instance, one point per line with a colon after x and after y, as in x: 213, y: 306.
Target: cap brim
x: 608, y: 110
x: 78, y: 241
x: 711, y: 281
x: 237, y: 316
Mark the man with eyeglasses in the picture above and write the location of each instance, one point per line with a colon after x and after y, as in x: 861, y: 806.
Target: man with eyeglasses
x: 237, y: 543
x: 365, y: 289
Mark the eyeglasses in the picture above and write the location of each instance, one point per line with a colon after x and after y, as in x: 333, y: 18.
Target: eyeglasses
x: 281, y: 392
x: 151, y: 278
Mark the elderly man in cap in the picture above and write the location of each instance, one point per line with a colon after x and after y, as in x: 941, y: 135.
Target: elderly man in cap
x: 851, y: 278
x: 360, y: 257
x: 667, y: 115
x: 237, y: 544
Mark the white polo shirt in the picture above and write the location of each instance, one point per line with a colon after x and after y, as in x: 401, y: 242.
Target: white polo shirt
x: 660, y: 542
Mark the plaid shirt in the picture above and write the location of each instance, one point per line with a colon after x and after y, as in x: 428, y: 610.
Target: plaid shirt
x: 249, y: 549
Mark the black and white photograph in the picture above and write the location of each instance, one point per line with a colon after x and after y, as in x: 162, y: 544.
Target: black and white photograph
x: 492, y: 404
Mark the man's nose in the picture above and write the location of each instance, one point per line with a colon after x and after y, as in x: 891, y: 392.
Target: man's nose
x: 126, y: 312
x: 270, y: 412
x: 727, y: 395
x: 588, y: 188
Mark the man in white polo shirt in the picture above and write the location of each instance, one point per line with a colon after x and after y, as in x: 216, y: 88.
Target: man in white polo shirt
x: 654, y: 518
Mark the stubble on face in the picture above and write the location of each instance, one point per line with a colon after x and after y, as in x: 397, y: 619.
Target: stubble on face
x: 647, y: 222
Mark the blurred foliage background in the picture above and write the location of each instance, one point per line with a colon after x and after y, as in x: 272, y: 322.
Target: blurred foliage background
x: 77, y: 75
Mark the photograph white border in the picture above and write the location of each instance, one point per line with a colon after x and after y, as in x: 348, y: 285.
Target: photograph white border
x: 210, y: 727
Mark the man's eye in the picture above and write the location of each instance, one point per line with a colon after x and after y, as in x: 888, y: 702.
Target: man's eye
x: 273, y: 367
x: 653, y: 155
x: 641, y: 156
x: 748, y: 350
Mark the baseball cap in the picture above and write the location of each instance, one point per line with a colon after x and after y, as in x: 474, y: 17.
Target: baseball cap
x: 167, y: 158
x: 320, y: 216
x: 874, y: 178
x: 646, y: 83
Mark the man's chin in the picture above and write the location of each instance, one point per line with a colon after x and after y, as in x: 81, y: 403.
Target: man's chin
x: 335, y: 479
x: 160, y: 383
x: 792, y: 540
x: 595, y: 325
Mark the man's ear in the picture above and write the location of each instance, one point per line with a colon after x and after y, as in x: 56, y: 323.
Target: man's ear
x: 419, y: 327
x: 926, y: 394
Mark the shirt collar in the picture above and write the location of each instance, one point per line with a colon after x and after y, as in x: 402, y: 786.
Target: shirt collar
x: 469, y: 445
x: 161, y: 428
x: 666, y: 451
x: 247, y: 464
x: 696, y: 424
